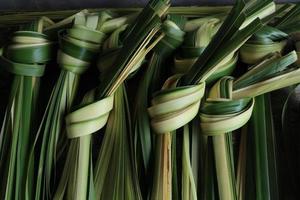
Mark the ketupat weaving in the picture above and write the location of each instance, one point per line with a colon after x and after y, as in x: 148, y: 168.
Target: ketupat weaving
x: 156, y: 103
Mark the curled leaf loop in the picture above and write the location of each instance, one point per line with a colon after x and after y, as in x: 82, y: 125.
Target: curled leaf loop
x: 90, y: 118
x: 173, y: 107
x: 220, y: 114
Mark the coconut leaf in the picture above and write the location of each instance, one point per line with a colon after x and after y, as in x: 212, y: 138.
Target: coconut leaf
x: 135, y: 46
x: 194, y: 44
x: 78, y: 47
x: 150, y: 83
x: 266, y: 177
x: 25, y: 57
x: 239, y: 25
x: 265, y: 41
x: 221, y: 147
x: 218, y: 124
x: 115, y: 173
x: 272, y: 65
x: 78, y: 183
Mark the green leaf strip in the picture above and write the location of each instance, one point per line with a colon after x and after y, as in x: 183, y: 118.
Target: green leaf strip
x: 22, y: 69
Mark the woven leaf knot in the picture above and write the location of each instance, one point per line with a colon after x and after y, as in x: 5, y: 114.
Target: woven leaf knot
x: 80, y: 44
x: 220, y: 113
x: 267, y: 40
x: 173, y: 38
x: 27, y: 53
x: 90, y: 118
x: 173, y: 107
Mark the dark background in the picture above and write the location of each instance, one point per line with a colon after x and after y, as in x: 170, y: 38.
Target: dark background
x: 21, y: 5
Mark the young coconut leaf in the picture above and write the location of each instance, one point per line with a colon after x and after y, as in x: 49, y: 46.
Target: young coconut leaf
x: 219, y: 114
x: 266, y: 174
x: 203, y: 30
x: 266, y: 40
x: 222, y: 143
x: 25, y: 57
x: 78, y: 47
x: 78, y: 180
x: 274, y: 63
x: 239, y: 25
x: 175, y: 117
x: 115, y: 173
x: 172, y: 28
x: 261, y: 124
x: 115, y: 166
x: 119, y: 180
x: 266, y: 181
x: 136, y: 45
x: 242, y: 164
x: 241, y: 17
x: 171, y: 109
x: 195, y: 43
x: 260, y: 85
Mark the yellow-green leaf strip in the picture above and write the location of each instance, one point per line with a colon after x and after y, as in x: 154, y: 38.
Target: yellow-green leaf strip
x: 89, y: 118
x: 174, y: 107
